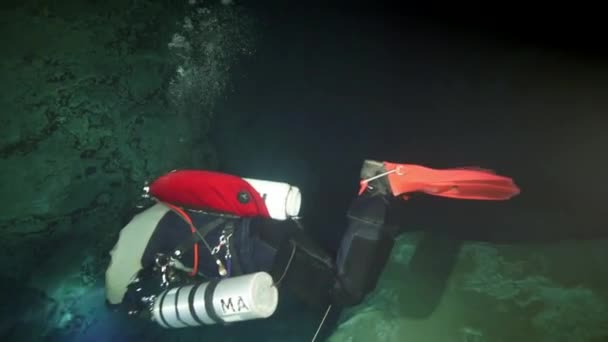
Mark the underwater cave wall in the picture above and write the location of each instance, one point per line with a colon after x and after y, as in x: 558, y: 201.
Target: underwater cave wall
x: 437, y: 289
x: 96, y: 99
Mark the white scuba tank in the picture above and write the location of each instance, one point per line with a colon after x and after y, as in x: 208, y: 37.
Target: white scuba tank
x: 282, y: 199
x: 246, y: 297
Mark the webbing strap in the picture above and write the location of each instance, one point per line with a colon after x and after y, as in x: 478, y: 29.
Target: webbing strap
x: 202, y: 233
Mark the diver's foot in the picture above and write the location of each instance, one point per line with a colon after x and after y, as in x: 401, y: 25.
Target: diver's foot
x: 387, y: 211
x: 369, y: 183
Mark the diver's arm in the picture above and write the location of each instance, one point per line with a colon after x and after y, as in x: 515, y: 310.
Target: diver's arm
x: 127, y: 253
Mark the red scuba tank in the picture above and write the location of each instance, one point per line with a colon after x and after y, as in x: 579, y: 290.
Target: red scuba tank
x: 209, y: 190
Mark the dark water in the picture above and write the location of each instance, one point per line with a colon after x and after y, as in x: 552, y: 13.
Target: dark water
x: 333, y: 85
x: 329, y: 88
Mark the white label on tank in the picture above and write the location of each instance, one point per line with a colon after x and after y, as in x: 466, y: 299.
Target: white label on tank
x: 233, y: 305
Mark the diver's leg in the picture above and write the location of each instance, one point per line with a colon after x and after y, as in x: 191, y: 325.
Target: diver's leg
x: 302, y: 267
x: 297, y: 263
x: 364, y: 250
x: 367, y: 243
x: 305, y: 269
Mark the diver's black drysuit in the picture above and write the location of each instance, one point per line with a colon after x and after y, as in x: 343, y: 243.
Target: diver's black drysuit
x: 284, y: 250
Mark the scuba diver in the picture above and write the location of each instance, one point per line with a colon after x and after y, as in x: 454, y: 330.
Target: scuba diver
x: 214, y: 248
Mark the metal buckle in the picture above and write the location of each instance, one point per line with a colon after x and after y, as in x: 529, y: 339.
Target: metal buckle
x: 224, y: 240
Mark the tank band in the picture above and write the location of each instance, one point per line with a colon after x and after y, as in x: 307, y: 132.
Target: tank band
x: 160, y: 310
x: 209, y: 302
x: 191, y: 303
x: 177, y: 308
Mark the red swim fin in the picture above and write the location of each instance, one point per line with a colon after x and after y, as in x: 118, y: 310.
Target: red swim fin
x: 458, y: 183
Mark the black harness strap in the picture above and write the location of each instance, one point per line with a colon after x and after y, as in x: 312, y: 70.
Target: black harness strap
x: 202, y: 233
